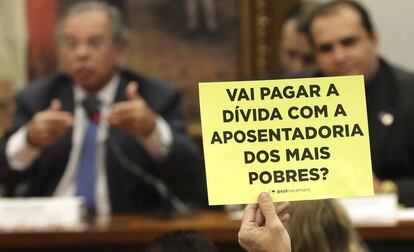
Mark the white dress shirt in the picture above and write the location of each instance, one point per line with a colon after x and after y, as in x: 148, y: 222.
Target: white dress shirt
x: 20, y: 154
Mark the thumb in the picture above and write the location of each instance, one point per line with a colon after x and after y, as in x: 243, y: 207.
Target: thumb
x: 268, y: 209
x: 132, y: 91
x: 55, y: 105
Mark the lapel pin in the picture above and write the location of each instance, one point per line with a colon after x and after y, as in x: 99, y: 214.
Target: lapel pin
x: 387, y: 119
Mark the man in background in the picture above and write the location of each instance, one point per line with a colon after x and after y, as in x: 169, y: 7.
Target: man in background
x: 295, y: 51
x: 95, y: 130
x: 345, y: 43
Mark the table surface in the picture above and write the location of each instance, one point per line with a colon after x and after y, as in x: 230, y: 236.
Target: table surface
x: 141, y: 229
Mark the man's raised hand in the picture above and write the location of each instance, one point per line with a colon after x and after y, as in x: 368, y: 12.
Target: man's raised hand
x: 49, y: 126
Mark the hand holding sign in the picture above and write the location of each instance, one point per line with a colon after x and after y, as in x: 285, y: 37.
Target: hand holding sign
x: 262, y: 228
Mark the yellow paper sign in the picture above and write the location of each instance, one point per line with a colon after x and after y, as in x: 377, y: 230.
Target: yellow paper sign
x: 296, y: 139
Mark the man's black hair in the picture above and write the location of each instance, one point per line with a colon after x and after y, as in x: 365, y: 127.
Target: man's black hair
x: 295, y: 11
x: 329, y: 7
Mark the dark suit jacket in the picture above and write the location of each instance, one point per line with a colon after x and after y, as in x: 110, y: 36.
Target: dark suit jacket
x: 181, y: 171
x: 391, y: 91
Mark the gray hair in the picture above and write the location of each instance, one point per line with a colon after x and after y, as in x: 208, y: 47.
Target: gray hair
x: 120, y: 33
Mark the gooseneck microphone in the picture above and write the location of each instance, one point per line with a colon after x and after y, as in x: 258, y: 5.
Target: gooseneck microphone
x: 151, y: 180
x: 92, y: 108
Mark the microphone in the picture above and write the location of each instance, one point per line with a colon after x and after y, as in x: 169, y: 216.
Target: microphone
x: 92, y: 108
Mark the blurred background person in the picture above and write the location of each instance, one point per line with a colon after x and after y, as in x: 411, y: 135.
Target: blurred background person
x: 321, y: 226
x: 345, y: 42
x: 295, y: 51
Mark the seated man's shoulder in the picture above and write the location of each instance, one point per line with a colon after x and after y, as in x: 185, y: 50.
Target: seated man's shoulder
x: 43, y: 87
x: 149, y: 87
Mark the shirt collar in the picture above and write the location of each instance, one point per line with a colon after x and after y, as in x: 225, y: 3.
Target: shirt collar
x: 106, y: 95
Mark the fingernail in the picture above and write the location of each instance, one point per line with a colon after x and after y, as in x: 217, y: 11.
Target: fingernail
x: 264, y: 196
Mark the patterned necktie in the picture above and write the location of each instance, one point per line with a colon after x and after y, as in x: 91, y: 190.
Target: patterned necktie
x: 86, y: 173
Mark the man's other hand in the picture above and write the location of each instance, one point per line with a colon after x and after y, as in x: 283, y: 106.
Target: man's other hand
x: 49, y: 126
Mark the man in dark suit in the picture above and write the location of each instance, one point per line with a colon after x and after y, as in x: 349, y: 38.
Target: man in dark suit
x: 141, y: 155
x: 345, y: 43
